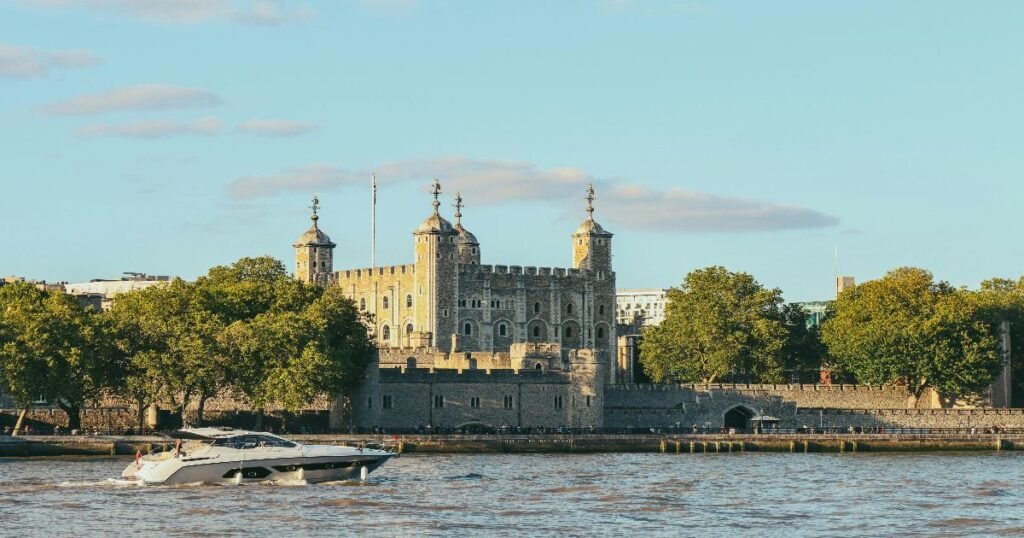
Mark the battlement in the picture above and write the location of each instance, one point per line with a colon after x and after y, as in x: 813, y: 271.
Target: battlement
x: 432, y: 375
x: 754, y: 387
x: 369, y: 272
x: 558, y: 272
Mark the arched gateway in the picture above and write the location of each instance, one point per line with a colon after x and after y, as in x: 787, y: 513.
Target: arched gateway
x: 738, y: 417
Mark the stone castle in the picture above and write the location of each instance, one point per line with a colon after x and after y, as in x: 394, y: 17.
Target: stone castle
x: 539, y: 341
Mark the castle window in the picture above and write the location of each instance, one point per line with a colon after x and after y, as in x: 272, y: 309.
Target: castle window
x: 408, y: 301
x: 408, y: 329
x: 444, y: 313
x: 474, y: 402
x: 536, y: 308
x: 474, y: 250
x: 568, y: 332
x: 600, y: 275
x: 462, y: 302
x: 502, y: 330
x: 385, y: 302
x: 362, y: 304
x: 386, y: 402
x: 539, y: 367
x: 600, y: 332
x: 438, y: 401
x: 568, y: 308
x: 556, y: 331
x: 588, y: 401
x: 385, y: 333
x: 600, y: 310
x: 508, y: 402
x: 536, y: 331
x: 590, y: 333
x: 467, y: 329
x: 558, y: 402
x: 369, y: 402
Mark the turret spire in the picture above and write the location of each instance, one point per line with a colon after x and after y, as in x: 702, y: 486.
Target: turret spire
x: 458, y: 209
x: 590, y: 201
x: 315, y: 207
x: 436, y: 192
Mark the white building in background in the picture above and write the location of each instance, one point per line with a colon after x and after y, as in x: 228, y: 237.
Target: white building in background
x: 641, y: 308
x: 106, y: 290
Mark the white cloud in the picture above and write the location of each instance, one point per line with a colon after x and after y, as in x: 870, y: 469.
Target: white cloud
x: 268, y: 127
x: 154, y: 129
x: 262, y: 12
x: 140, y: 97
x: 483, y: 182
x: 27, y: 62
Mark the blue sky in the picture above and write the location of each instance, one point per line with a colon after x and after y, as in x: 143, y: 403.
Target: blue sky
x: 168, y: 136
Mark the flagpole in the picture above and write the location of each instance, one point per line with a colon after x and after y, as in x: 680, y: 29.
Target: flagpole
x: 373, y: 221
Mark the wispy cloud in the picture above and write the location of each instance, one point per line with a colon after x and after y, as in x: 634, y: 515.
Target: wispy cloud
x: 154, y: 129
x: 268, y: 127
x: 260, y: 12
x: 623, y: 203
x: 27, y: 62
x: 140, y: 97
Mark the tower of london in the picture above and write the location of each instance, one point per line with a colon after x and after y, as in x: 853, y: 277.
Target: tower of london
x: 447, y: 312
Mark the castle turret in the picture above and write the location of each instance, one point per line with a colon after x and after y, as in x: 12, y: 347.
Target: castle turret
x: 436, y: 276
x: 466, y: 246
x: 591, y: 244
x: 314, y: 252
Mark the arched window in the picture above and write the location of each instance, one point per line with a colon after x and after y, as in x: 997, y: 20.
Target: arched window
x: 536, y: 331
x: 408, y: 329
x: 539, y: 367
x: 600, y: 332
x: 467, y: 329
x: 385, y: 333
x: 502, y: 330
x: 362, y: 304
x: 536, y: 308
x: 385, y: 302
x: 568, y: 308
x: 600, y: 310
x: 568, y: 332
x: 408, y: 301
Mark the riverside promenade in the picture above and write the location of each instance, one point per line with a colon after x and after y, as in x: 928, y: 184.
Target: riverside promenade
x: 803, y: 443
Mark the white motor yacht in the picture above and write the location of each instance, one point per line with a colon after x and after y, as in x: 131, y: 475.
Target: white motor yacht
x: 225, y: 455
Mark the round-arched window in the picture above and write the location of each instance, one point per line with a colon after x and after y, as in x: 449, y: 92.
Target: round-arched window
x: 408, y: 301
x: 467, y: 329
x: 385, y: 333
x: 502, y: 330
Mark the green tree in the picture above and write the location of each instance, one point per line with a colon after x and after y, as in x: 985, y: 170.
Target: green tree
x: 51, y: 347
x: 802, y: 352
x: 717, y: 324
x: 999, y: 300
x: 172, y: 338
x: 905, y: 328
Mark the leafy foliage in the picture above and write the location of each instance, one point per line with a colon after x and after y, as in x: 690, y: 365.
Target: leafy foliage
x: 905, y: 328
x: 718, y: 324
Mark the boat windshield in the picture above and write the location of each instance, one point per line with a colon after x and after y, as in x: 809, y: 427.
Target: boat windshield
x: 253, y: 441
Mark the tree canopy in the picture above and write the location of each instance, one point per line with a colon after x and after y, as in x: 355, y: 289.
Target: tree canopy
x: 717, y: 324
x: 906, y: 328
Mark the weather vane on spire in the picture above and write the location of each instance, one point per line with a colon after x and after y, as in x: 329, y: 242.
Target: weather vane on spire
x: 436, y: 192
x: 458, y: 208
x: 315, y: 207
x: 590, y: 201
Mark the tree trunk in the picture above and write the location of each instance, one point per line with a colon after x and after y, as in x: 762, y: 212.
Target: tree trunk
x: 259, y: 419
x: 74, y: 412
x: 141, y: 415
x: 21, y: 420
x: 199, y: 411
x: 184, y: 409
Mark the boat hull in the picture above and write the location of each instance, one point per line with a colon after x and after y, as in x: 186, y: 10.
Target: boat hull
x: 283, y: 468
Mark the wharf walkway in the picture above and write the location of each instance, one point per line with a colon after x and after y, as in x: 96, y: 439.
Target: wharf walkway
x: 111, y: 445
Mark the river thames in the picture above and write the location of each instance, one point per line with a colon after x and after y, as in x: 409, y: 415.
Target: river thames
x: 512, y: 495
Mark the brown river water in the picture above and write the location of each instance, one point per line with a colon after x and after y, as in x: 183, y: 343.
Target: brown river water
x: 565, y: 495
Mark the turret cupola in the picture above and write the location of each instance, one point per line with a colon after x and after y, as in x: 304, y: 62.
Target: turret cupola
x: 467, y: 247
x: 591, y: 243
x: 314, y: 252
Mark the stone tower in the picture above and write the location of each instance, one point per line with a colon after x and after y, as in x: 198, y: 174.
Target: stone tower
x: 314, y: 252
x: 591, y: 244
x: 467, y: 247
x: 436, y: 277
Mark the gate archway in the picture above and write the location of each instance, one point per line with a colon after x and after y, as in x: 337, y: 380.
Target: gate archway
x: 738, y: 417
